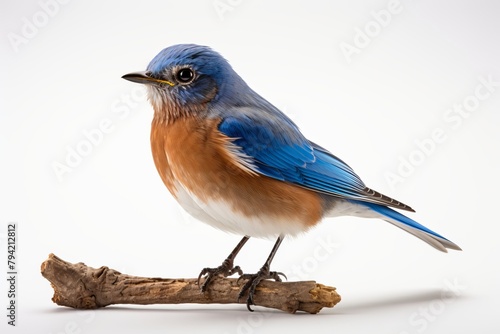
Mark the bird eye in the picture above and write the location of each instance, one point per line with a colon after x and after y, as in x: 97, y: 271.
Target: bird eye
x: 185, y: 75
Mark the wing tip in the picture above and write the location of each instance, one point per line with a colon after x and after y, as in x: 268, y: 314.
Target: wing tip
x: 408, y: 208
x: 379, y: 198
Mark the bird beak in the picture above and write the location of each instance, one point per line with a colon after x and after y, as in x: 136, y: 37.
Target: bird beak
x: 144, y: 77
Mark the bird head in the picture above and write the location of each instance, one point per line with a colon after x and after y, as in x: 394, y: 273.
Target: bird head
x: 182, y: 80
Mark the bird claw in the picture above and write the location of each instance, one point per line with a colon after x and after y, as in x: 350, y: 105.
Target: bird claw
x: 253, y: 282
x: 224, y: 270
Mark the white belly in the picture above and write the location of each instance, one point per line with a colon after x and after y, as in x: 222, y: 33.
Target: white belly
x: 221, y: 215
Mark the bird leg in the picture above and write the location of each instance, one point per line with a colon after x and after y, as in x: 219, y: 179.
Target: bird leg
x: 226, y: 269
x: 262, y: 274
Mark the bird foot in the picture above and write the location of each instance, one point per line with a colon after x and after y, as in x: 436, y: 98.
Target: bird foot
x: 253, y: 282
x: 224, y: 270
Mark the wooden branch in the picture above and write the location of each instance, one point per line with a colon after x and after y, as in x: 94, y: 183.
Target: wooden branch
x: 82, y: 287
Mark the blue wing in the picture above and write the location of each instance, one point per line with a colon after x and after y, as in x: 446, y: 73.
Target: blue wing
x: 280, y: 151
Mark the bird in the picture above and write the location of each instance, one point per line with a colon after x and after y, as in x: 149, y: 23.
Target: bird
x: 233, y: 160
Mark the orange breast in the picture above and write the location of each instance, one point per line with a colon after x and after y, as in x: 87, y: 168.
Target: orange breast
x: 193, y: 152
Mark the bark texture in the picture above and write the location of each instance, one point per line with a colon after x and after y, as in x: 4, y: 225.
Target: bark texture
x: 79, y: 286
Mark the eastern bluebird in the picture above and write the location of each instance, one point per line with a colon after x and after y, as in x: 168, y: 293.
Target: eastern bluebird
x: 234, y: 161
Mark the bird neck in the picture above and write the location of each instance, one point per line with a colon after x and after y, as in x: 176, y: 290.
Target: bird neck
x: 167, y: 111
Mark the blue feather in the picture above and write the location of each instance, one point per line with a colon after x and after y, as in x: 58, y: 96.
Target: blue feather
x: 388, y: 212
x: 282, y: 153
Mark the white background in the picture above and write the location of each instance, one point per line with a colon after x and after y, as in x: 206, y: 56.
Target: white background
x: 368, y: 108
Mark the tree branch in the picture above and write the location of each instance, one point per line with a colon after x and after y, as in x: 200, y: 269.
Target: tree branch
x: 82, y: 287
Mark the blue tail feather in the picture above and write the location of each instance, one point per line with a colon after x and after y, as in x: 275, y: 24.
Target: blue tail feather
x: 434, y: 239
x: 388, y: 212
